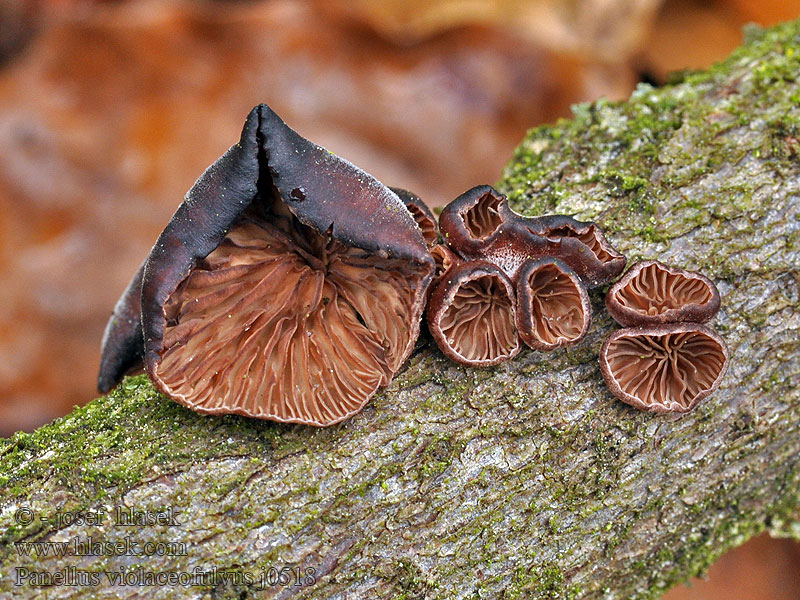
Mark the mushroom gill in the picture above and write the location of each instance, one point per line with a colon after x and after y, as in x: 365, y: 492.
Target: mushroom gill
x: 471, y: 315
x: 285, y: 323
x: 444, y: 259
x: 483, y: 218
x: 665, y: 368
x: 421, y: 214
x: 289, y: 285
x: 590, y: 236
x: 553, y: 308
x: 652, y: 292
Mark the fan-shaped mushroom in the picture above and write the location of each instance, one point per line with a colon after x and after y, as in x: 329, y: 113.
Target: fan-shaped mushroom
x: 289, y: 285
x: 471, y: 314
x: 652, y: 292
x: 553, y: 308
x: 663, y: 368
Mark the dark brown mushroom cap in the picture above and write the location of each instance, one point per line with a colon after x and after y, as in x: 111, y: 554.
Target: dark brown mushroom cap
x: 471, y: 315
x: 553, y: 308
x: 581, y: 244
x: 422, y: 215
x: 123, y: 345
x: 226, y: 188
x: 471, y: 222
x: 473, y: 226
x: 289, y: 285
x: 652, y: 292
x: 323, y: 190
x: 479, y: 225
x: 664, y: 368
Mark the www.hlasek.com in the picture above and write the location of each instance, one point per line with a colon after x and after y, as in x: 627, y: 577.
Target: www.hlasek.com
x: 125, y: 546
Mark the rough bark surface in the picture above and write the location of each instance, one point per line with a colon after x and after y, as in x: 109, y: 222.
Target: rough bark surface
x: 526, y: 480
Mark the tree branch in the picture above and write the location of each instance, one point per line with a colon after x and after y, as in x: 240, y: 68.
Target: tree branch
x: 526, y: 480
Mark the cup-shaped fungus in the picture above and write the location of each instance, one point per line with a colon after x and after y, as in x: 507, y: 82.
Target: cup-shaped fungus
x: 479, y: 225
x: 664, y: 368
x: 651, y: 293
x: 580, y: 244
x: 472, y: 222
x: 471, y: 314
x: 553, y: 308
x: 549, y: 262
x: 289, y: 285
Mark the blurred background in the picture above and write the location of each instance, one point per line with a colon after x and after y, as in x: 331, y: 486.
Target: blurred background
x: 110, y: 110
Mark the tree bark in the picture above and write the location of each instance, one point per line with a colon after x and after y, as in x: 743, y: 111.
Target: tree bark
x: 527, y: 480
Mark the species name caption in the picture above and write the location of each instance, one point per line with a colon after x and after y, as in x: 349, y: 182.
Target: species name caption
x: 32, y: 553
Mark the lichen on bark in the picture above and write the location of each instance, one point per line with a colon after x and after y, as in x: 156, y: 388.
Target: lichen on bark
x: 526, y: 480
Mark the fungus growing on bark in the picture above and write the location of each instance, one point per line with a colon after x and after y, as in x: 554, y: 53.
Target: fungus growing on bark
x: 553, y: 308
x: 651, y: 293
x: 663, y: 368
x: 471, y: 314
x: 582, y: 245
x: 546, y: 264
x: 289, y: 285
x: 422, y: 215
x: 479, y: 225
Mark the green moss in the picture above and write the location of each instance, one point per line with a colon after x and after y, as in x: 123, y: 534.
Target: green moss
x: 546, y: 582
x: 102, y: 449
x: 408, y: 581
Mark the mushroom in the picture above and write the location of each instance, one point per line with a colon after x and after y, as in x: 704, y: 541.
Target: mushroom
x: 553, y: 308
x: 479, y: 225
x: 651, y: 293
x: 582, y: 245
x: 444, y: 259
x: 422, y: 215
x: 123, y: 344
x: 471, y: 314
x: 663, y: 368
x: 546, y: 262
x: 472, y: 222
x: 289, y: 285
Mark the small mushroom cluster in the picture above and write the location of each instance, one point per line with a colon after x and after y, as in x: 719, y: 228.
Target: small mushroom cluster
x: 504, y: 279
x: 290, y: 286
x: 664, y: 360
